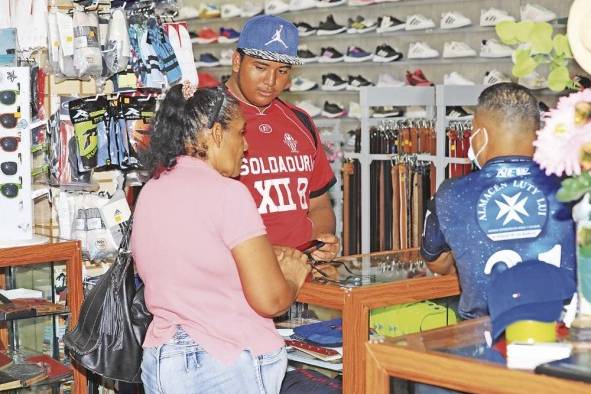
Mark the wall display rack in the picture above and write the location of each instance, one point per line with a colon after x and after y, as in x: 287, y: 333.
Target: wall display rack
x: 435, y: 100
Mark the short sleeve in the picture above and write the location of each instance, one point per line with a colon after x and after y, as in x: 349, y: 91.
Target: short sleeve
x: 433, y: 243
x: 240, y: 219
x: 322, y: 177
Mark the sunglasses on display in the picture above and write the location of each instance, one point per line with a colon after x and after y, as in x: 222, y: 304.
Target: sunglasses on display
x: 8, y: 97
x: 9, y: 121
x: 9, y: 144
x: 9, y: 167
x: 10, y: 190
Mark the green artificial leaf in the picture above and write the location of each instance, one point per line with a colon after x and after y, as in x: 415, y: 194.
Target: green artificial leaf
x: 507, y: 32
x: 540, y: 38
x: 523, y: 30
x: 561, y: 46
x: 524, y: 63
x: 574, y: 188
x: 542, y: 59
x: 558, y: 79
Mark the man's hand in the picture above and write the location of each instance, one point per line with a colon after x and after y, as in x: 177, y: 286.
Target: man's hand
x: 444, y: 264
x: 330, y: 249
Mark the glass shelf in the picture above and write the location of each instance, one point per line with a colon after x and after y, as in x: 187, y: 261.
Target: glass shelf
x: 372, y: 269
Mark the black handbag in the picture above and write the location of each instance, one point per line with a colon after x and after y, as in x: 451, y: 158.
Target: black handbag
x: 113, y: 322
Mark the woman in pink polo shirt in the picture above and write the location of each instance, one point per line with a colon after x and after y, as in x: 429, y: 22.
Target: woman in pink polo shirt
x: 213, y: 281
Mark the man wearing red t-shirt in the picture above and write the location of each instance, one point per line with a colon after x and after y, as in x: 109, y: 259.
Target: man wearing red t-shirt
x: 285, y: 167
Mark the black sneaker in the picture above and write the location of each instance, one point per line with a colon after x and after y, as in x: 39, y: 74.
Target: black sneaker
x: 305, y: 29
x: 385, y: 53
x: 332, y: 82
x: 357, y: 82
x: 387, y: 112
x: 333, y: 110
x: 330, y: 55
x: 307, y: 55
x: 456, y: 112
x: 329, y: 27
x: 389, y: 23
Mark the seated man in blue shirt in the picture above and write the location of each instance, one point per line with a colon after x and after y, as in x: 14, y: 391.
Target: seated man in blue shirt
x: 503, y: 214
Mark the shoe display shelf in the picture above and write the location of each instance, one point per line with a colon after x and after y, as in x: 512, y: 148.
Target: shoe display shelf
x: 435, y: 100
x: 472, y: 68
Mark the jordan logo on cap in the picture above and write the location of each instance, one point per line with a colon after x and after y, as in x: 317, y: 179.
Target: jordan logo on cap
x: 277, y: 37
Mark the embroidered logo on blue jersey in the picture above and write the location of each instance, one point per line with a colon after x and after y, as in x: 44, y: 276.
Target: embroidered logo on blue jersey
x: 512, y: 210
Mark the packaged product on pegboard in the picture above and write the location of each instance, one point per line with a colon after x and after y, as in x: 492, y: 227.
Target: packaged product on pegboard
x: 16, y: 213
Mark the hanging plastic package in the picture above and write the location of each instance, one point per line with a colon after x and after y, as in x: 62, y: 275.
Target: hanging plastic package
x: 53, y: 41
x: 179, y: 38
x: 135, y: 32
x: 138, y: 114
x: 120, y: 137
x: 65, y: 26
x: 88, y: 118
x: 99, y: 241
x: 88, y: 60
x: 154, y: 75
x: 168, y: 61
x: 117, y: 48
x: 8, y: 47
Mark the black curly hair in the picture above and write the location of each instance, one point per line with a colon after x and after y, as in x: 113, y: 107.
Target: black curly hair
x: 178, y: 123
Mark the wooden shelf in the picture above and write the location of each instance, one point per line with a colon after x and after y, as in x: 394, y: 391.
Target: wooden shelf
x: 54, y: 250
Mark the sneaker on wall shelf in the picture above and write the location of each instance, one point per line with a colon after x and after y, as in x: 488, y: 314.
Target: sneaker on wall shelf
x: 494, y: 49
x: 421, y: 50
x: 300, y: 84
x: 493, y: 16
x: 454, y: 20
x: 330, y: 55
x: 332, y: 82
x: 299, y: 5
x: 330, y: 27
x: 309, y: 107
x: 456, y: 49
x: 250, y: 9
x: 537, y: 13
x: 275, y: 7
x: 455, y: 78
x: 492, y: 77
x: 419, y: 22
x: 228, y: 36
x: 533, y: 81
x: 387, y: 80
x: 417, y: 78
x: 356, y: 82
x: 357, y: 55
x: 306, y: 55
x: 389, y: 23
x: 385, y: 53
x: 230, y: 11
x: 359, y: 25
x: 305, y: 29
x: 333, y: 110
x: 330, y: 3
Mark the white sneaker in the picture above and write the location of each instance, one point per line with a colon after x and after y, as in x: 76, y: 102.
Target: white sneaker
x: 493, y: 48
x: 455, y: 78
x: 454, y: 20
x: 533, y: 81
x: 299, y: 84
x: 419, y: 22
x: 387, y: 80
x: 453, y: 49
x: 329, y: 3
x: 420, y: 50
x: 275, y: 7
x: 230, y: 11
x: 492, y: 16
x: 187, y: 12
x: 298, y: 5
x: 354, y: 110
x: 250, y: 9
x: 226, y: 57
x: 416, y: 112
x: 387, y: 23
x: 495, y: 76
x: 310, y: 108
x: 536, y: 13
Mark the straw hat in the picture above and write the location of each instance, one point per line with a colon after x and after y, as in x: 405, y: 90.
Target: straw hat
x: 579, y: 33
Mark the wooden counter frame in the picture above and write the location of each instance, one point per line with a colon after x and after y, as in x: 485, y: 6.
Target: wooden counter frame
x: 356, y: 302
x: 68, y: 252
x: 455, y: 372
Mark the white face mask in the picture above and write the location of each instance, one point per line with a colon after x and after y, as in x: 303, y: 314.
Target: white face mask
x: 474, y: 157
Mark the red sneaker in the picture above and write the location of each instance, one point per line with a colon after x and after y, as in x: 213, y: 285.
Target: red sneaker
x: 206, y: 36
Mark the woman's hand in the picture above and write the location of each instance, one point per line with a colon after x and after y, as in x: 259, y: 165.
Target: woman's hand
x: 293, y: 264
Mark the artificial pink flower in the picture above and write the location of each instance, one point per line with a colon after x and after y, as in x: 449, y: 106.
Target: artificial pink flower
x: 559, y: 143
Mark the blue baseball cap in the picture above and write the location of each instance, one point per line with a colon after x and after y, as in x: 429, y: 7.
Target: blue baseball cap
x: 531, y: 290
x: 271, y: 38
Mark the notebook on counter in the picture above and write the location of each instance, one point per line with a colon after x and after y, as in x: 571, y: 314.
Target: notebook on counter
x: 575, y: 367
